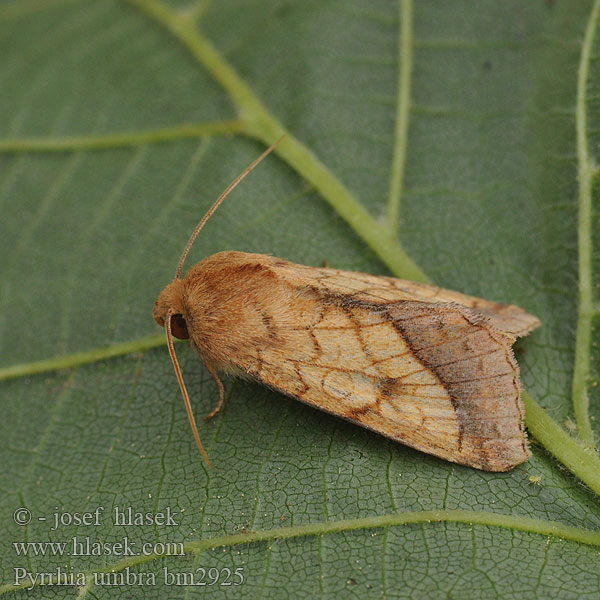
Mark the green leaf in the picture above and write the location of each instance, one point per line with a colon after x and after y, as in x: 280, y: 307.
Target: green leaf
x: 452, y: 139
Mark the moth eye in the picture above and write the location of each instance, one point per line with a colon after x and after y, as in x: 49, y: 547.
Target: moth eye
x: 179, y: 327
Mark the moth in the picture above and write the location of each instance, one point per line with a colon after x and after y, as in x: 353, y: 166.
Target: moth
x: 425, y: 366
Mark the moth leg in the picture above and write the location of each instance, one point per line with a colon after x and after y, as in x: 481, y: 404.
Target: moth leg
x: 219, y: 383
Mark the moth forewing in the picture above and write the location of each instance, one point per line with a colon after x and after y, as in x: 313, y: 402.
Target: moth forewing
x: 428, y: 367
x: 508, y: 318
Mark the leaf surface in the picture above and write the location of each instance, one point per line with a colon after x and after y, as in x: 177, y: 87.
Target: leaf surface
x: 116, y: 135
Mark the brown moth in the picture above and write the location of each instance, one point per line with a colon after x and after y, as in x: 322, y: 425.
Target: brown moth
x: 428, y: 367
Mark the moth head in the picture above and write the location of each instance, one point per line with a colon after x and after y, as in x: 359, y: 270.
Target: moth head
x: 169, y: 310
x: 170, y: 305
x: 169, y: 313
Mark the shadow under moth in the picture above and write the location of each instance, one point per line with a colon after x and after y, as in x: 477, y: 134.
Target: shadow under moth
x: 427, y: 367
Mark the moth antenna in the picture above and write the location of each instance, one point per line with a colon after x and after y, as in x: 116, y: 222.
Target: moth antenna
x: 220, y: 199
x: 184, y: 393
